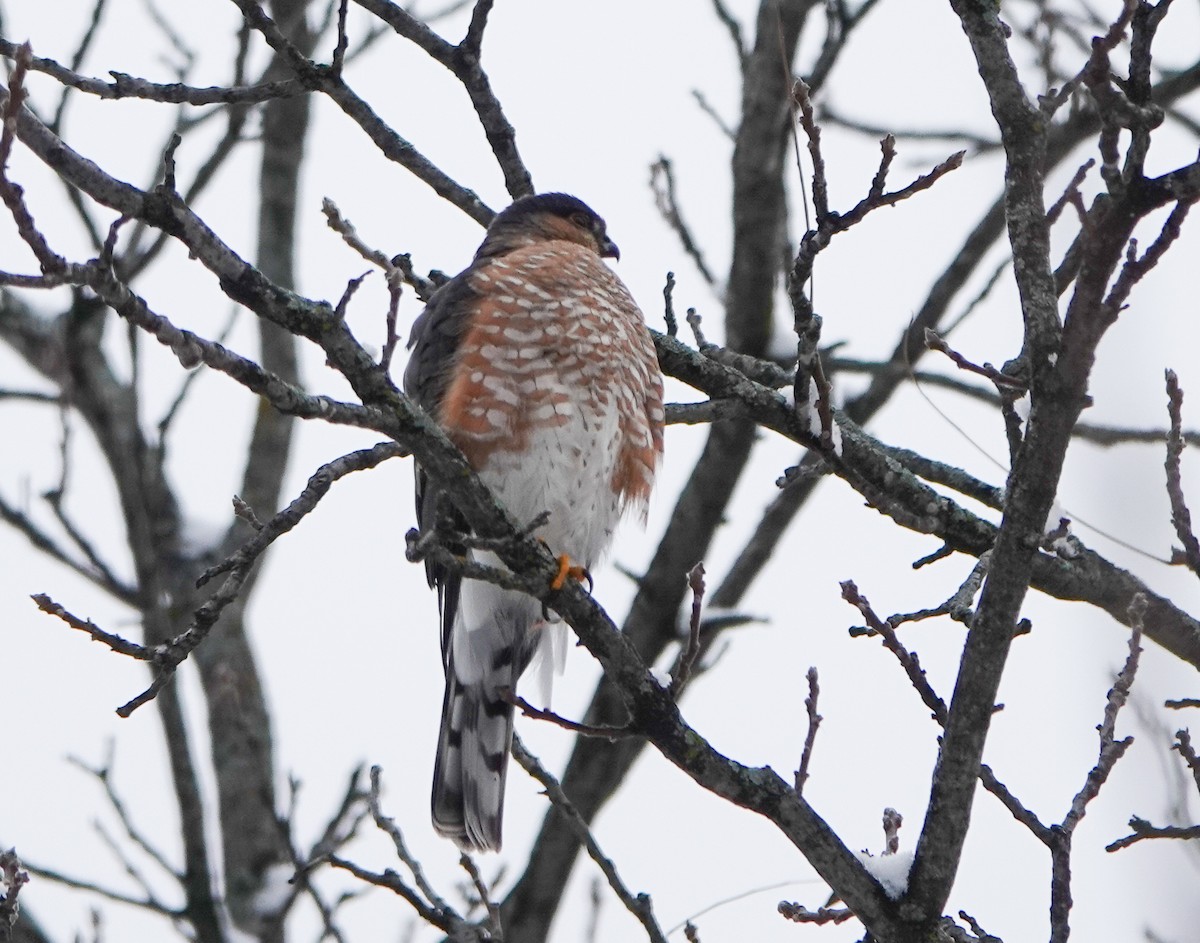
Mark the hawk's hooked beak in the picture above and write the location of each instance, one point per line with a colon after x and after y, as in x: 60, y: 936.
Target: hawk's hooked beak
x: 609, y: 250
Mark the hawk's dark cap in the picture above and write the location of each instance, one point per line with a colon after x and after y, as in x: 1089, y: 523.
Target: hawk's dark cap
x: 559, y: 204
x: 556, y: 204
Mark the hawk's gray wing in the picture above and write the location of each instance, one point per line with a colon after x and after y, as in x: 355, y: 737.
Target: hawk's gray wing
x: 433, y: 342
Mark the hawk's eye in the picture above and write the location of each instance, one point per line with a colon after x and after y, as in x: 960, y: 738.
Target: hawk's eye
x: 583, y: 221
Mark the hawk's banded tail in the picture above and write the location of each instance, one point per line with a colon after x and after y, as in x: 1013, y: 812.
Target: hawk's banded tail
x: 472, y: 764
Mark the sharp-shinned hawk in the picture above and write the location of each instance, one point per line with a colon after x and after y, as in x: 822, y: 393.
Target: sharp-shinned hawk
x: 537, y: 362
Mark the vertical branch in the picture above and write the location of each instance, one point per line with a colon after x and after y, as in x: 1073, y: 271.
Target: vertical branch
x: 1181, y: 516
x: 1111, y: 750
x: 152, y: 523
x: 687, y: 658
x: 201, y: 907
x: 810, y: 739
x: 759, y: 193
x: 1032, y: 484
x: 239, y: 720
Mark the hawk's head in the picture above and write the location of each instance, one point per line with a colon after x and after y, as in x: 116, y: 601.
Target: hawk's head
x: 547, y: 216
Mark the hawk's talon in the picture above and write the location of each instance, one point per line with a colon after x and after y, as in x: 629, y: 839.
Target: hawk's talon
x: 574, y: 571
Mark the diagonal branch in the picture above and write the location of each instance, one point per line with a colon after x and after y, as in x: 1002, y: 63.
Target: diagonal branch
x: 463, y: 61
x: 655, y: 714
x: 639, y: 905
x: 326, y: 80
x: 42, y: 541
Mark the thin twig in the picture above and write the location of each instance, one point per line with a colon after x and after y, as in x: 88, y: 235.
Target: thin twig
x: 104, y: 775
x: 603, y: 732
x: 80, y: 54
x: 662, y: 185
x: 959, y: 606
x: 709, y: 109
x: 392, y: 271
x: 1143, y: 830
x: 1183, y: 746
x: 467, y: 863
x: 814, y: 721
x: 1181, y: 516
x: 387, y: 825
x: 12, y: 195
x: 392, y: 881
x: 90, y: 886
x: 338, y: 831
x: 166, y: 658
x: 640, y: 905
x: 669, y: 306
x: 908, y: 660
x: 343, y: 41
x: 1111, y: 750
x: 687, y: 658
x: 1002, y: 380
x: 731, y: 24
x: 43, y: 542
x: 118, y: 644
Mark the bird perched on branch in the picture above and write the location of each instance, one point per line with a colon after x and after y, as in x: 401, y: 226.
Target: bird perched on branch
x: 537, y: 363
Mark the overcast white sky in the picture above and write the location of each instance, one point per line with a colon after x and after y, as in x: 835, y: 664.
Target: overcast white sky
x: 345, y: 628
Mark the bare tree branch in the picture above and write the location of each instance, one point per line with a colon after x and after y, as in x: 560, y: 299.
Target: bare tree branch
x: 1181, y: 517
x: 810, y: 739
x: 463, y: 61
x: 639, y: 905
x: 128, y: 86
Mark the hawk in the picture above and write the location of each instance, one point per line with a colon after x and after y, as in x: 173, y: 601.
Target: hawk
x: 538, y: 364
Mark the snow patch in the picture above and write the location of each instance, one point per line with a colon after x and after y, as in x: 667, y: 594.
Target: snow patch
x: 835, y: 437
x: 1065, y: 547
x: 891, y: 871
x: 811, y: 414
